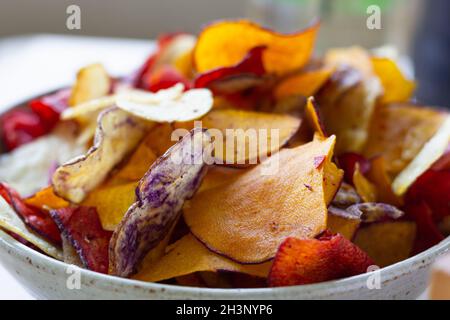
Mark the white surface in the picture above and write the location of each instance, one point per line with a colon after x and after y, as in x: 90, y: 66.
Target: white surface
x: 36, y: 64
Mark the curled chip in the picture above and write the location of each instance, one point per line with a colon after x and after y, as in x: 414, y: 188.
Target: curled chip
x: 92, y: 82
x: 304, y: 261
x: 188, y: 255
x: 305, y: 83
x: 365, y: 189
x: 253, y: 135
x: 75, y: 179
x: 81, y: 226
x: 246, y: 220
x: 161, y: 193
x: 397, y: 88
x: 243, y: 75
x: 314, y: 118
x: 399, y: 131
x: 10, y: 221
x: 225, y: 43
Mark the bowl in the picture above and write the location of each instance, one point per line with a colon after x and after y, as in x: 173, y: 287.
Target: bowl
x: 47, y: 278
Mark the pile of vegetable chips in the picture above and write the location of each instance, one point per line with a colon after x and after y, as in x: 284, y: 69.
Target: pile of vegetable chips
x: 232, y: 159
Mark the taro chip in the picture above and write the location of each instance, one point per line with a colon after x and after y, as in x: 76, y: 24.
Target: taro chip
x: 253, y: 135
x: 235, y: 78
x: 36, y: 219
x: 188, y: 255
x: 246, y: 220
x: 75, y: 179
x: 10, y: 221
x: 399, y: 131
x: 161, y: 193
x: 111, y: 202
x: 314, y: 118
x: 305, y: 83
x: 82, y: 227
x: 46, y: 199
x: 434, y: 149
x: 92, y: 82
x: 305, y: 261
x: 387, y: 242
x: 397, y: 88
x: 225, y: 43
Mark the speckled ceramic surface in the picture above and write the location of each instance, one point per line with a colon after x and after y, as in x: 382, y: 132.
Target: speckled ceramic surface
x: 47, y: 278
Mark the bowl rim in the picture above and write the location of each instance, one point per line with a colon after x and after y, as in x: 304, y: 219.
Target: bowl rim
x: 411, y: 264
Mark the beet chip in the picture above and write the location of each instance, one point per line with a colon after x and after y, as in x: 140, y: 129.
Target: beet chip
x: 306, y: 261
x: 36, y: 219
x: 241, y: 74
x: 81, y: 225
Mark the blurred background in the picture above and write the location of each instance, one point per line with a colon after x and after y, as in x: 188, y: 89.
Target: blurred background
x: 418, y: 29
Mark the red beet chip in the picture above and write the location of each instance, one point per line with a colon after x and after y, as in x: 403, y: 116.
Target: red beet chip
x: 306, y: 261
x: 252, y: 65
x: 49, y: 107
x: 347, y: 162
x: 36, y: 219
x: 19, y: 127
x: 81, y: 225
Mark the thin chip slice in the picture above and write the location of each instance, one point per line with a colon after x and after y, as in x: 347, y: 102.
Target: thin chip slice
x: 342, y: 223
x: 111, y: 202
x: 312, y: 113
x: 248, y: 218
x: 305, y: 261
x: 377, y: 174
x: 248, y: 137
x: 188, y: 255
x: 399, y: 131
x: 160, y: 196
x: 10, y: 222
x: 366, y: 190
x: 75, y: 179
x: 81, y: 226
x: 305, y: 83
x: 92, y: 82
x: 397, y: 88
x: 430, y: 153
x: 225, y: 43
x: 46, y: 199
x: 387, y: 242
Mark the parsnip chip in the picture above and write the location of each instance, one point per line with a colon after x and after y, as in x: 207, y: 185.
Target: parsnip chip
x: 9, y: 221
x: 387, y: 242
x: 190, y: 105
x: 111, y: 202
x: 46, y: 199
x: 225, y: 43
x: 399, y: 131
x: 75, y: 179
x: 160, y: 196
x: 248, y: 218
x: 365, y: 189
x: 92, y: 82
x: 305, y: 83
x: 188, y: 255
x: 431, y: 152
x: 249, y: 136
x: 397, y: 88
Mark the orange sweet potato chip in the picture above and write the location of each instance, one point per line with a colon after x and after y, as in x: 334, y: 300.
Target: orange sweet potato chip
x: 312, y: 113
x: 387, y: 242
x: 248, y: 131
x: 248, y: 218
x: 187, y: 256
x: 305, y: 261
x: 346, y: 226
x: 397, y: 88
x: 399, y: 131
x: 111, y: 202
x: 305, y: 83
x: 365, y: 189
x: 225, y: 43
x: 378, y: 176
x: 46, y: 199
x: 159, y: 138
x: 219, y: 175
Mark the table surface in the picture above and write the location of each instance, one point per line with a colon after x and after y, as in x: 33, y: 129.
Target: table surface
x: 30, y: 65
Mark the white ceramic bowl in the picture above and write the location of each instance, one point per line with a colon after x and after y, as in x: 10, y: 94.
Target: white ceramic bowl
x: 46, y: 278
